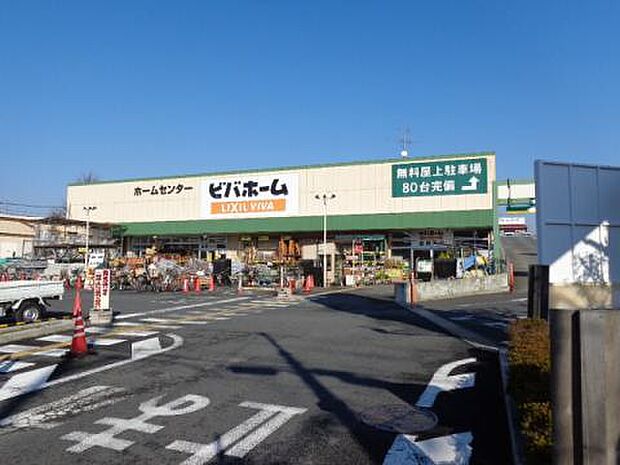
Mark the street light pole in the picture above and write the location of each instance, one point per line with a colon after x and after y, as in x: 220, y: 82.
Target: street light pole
x: 324, y: 198
x: 87, y: 210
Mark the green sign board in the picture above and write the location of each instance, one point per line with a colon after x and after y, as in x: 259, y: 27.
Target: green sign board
x: 445, y: 177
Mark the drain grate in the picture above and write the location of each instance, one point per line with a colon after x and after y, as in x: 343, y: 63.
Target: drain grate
x: 399, y: 418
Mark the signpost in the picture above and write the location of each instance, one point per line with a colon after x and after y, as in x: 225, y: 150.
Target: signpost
x: 101, y: 297
x: 446, y: 177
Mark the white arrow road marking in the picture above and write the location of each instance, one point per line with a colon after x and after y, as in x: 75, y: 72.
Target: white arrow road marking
x: 46, y: 416
x: 443, y: 381
x: 267, y: 420
x: 26, y: 382
x: 177, y: 342
x: 445, y: 450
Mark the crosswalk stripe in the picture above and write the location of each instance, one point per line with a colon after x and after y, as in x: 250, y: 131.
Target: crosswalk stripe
x: 14, y: 348
x: 127, y: 323
x: 55, y: 338
x: 107, y: 341
x: 173, y: 320
x: 96, y: 330
x: 9, y: 366
x: 133, y: 333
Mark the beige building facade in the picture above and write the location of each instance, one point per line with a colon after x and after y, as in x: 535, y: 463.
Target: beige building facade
x: 427, y: 200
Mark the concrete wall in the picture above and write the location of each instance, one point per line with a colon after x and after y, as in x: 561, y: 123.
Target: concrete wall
x: 450, y: 288
x: 359, y: 189
x: 583, y: 296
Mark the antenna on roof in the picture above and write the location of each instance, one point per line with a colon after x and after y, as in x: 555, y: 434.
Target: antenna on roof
x: 405, y: 142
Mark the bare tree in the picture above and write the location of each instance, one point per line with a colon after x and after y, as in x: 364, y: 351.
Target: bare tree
x: 87, y: 178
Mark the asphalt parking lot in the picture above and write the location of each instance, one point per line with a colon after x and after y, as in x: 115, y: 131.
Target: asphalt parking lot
x: 227, y: 378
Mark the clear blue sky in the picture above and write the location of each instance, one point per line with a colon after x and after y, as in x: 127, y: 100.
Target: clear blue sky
x: 130, y: 89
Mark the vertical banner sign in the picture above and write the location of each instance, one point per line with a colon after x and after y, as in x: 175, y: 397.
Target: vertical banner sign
x: 445, y: 177
x: 247, y: 196
x: 101, y: 290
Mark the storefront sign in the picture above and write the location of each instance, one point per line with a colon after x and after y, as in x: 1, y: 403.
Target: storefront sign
x: 446, y: 177
x: 165, y: 189
x: 101, y: 290
x: 250, y: 196
x: 95, y: 259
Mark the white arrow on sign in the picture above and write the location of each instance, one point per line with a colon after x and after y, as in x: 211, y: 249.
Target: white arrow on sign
x: 473, y: 184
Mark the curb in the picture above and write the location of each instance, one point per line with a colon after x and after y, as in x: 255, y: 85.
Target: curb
x: 479, y: 342
x: 28, y: 331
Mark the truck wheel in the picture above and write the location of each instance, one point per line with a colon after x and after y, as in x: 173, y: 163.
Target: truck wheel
x: 29, y: 312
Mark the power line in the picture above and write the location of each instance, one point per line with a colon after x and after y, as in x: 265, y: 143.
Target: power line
x: 27, y: 205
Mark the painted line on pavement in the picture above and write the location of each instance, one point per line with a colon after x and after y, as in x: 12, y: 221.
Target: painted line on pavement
x: 35, y: 380
x: 180, y: 307
x: 46, y: 416
x: 443, y: 381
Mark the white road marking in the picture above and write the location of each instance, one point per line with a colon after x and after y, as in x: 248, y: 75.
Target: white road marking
x: 283, y: 414
x: 107, y: 341
x: 146, y: 348
x: 9, y: 366
x: 24, y: 383
x: 135, y: 333
x: 100, y: 341
x: 180, y: 307
x: 46, y: 416
x: 454, y: 449
x: 174, y: 321
x: 55, y: 338
x: 14, y: 348
x: 128, y: 315
x: 266, y: 421
x: 96, y: 330
x: 107, y: 439
x: 127, y: 324
x: 443, y: 381
x: 177, y: 342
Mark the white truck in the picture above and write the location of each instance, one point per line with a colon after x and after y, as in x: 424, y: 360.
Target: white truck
x: 27, y: 300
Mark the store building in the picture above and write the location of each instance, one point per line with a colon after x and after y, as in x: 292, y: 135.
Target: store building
x: 399, y: 209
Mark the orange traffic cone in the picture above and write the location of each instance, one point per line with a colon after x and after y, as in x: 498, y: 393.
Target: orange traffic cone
x: 212, y: 284
x: 79, y: 347
x: 197, y: 285
x: 307, y: 287
x: 292, y: 284
x: 185, y: 285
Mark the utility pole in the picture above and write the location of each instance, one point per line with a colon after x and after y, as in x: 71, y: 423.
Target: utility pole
x: 324, y: 198
x: 87, y: 210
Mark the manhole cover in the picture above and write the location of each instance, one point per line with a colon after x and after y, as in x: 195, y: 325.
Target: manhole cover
x: 399, y: 418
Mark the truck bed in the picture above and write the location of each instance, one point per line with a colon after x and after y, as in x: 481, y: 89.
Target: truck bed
x: 12, y: 291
